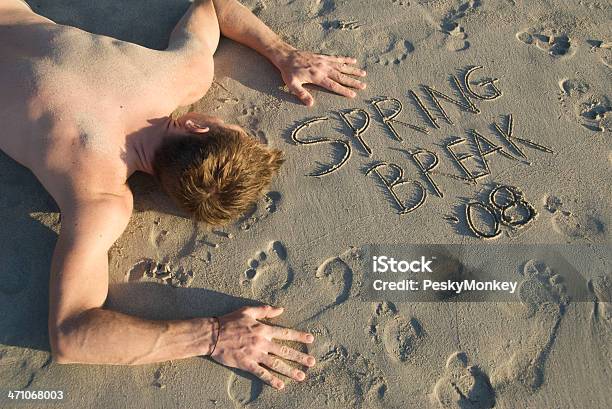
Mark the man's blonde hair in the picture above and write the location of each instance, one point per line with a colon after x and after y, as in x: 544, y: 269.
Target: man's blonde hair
x: 216, y: 176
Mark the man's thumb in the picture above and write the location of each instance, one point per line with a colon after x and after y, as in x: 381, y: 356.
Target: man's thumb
x: 299, y: 91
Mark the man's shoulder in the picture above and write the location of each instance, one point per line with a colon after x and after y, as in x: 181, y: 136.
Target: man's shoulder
x: 117, y: 199
x: 105, y: 213
x: 91, y: 223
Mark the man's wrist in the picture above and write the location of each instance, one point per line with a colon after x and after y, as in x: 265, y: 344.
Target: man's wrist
x: 216, y: 335
x: 278, y: 51
x: 206, y: 335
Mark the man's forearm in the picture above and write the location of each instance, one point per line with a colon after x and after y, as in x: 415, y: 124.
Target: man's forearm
x: 100, y: 336
x: 238, y: 23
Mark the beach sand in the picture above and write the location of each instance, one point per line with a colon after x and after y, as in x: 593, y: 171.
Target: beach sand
x: 545, y: 67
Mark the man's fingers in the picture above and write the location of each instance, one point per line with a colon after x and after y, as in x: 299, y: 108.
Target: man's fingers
x: 265, y: 375
x: 291, y: 354
x: 349, y: 69
x: 343, y: 60
x: 280, y: 366
x: 299, y: 91
x: 346, y: 80
x: 337, y: 88
x: 289, y: 334
x: 263, y: 311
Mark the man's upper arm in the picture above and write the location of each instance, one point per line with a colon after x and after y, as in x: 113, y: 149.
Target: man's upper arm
x: 79, y: 270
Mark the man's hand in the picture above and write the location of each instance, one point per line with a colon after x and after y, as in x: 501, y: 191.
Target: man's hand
x: 245, y: 343
x: 301, y: 67
x: 297, y: 67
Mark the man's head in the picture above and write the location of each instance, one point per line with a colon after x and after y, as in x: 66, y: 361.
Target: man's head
x: 214, y: 171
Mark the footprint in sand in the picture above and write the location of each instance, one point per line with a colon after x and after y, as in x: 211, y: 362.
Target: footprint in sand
x: 157, y: 234
x: 574, y: 227
x: 555, y: 44
x: 463, y: 386
x: 595, y: 113
x: 601, y: 314
x: 553, y: 203
x: 542, y: 289
x: 336, y: 281
x: 395, y: 52
x: 543, y: 301
x: 581, y: 105
x: 268, y: 274
x: 251, y: 115
x: 139, y: 270
x: 163, y: 237
x: 456, y: 37
x: 341, y: 379
x: 324, y: 344
x: 573, y: 87
x: 270, y: 278
x: 250, y: 118
x: 243, y: 389
x: 603, y: 49
x: 264, y: 208
x: 579, y: 227
x: 601, y: 287
x: 147, y: 268
x: 400, y: 337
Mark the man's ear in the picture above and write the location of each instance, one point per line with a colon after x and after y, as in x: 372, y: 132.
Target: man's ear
x: 195, y: 128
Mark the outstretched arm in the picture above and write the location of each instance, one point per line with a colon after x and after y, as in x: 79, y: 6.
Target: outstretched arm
x: 205, y: 18
x: 297, y: 67
x: 82, y: 331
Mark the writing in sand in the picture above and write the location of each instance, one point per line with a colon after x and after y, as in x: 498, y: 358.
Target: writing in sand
x: 471, y: 154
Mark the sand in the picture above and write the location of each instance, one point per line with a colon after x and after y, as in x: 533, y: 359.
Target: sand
x: 545, y: 65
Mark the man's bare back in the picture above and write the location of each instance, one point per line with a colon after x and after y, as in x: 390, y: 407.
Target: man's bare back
x: 83, y: 112
x: 70, y: 98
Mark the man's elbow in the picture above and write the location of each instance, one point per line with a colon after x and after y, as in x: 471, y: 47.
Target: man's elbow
x: 60, y: 357
x: 64, y: 349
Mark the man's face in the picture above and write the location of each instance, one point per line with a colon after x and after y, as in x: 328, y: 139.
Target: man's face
x: 194, y: 122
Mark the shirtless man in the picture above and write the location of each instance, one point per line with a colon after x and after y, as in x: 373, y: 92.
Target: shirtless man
x: 83, y: 112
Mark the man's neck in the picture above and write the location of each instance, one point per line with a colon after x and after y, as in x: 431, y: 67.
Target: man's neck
x: 142, y: 144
